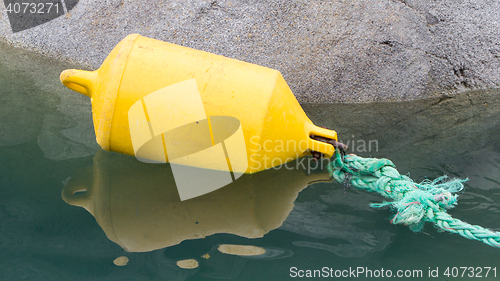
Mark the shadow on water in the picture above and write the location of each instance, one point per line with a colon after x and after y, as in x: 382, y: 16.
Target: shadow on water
x: 66, y: 212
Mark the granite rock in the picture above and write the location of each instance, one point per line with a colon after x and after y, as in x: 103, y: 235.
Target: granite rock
x: 328, y: 51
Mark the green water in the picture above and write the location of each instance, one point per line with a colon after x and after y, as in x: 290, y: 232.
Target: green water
x: 47, y: 146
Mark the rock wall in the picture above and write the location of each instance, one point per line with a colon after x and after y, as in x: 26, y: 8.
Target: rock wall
x: 328, y: 51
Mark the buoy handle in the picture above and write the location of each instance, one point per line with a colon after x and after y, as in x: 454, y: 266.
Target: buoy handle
x: 80, y: 81
x: 315, y: 145
x: 78, y: 190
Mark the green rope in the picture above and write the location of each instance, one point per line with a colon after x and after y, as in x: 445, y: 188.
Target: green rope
x: 414, y: 203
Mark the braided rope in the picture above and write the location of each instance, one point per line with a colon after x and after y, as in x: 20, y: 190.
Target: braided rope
x: 414, y: 203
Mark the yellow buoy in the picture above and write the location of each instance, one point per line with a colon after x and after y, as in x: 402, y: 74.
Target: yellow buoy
x: 164, y: 103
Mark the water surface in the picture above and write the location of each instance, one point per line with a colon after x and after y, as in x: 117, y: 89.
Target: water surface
x: 68, y: 209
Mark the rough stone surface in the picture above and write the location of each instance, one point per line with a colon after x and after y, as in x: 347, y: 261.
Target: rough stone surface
x: 328, y: 51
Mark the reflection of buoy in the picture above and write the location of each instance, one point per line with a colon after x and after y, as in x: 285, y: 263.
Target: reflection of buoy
x: 146, y: 88
x: 121, y: 261
x: 241, y: 250
x: 138, y: 207
x: 188, y: 264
